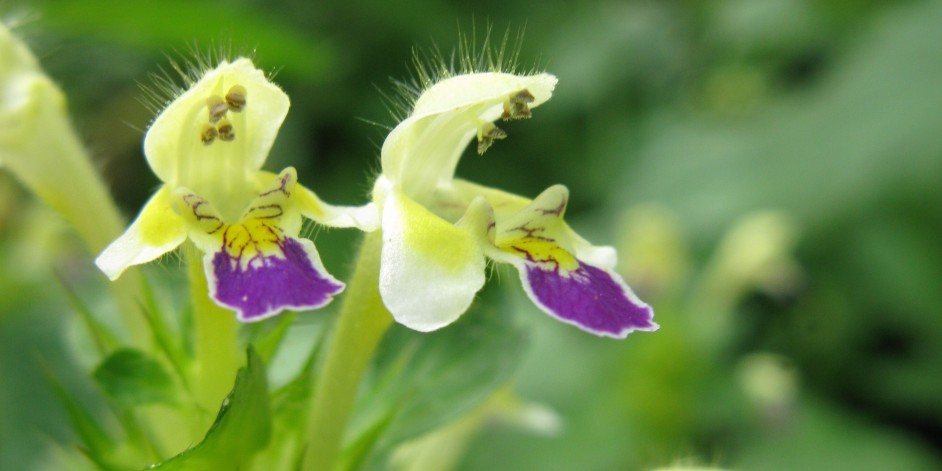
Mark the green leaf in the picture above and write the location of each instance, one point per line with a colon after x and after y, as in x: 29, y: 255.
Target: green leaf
x: 97, y: 445
x: 242, y: 427
x: 425, y: 380
x: 170, y: 343
x: 268, y: 341
x: 131, y: 378
x: 289, y: 406
x: 104, y: 340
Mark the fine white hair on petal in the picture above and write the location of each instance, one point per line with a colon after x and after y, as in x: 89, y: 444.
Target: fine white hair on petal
x: 467, y: 90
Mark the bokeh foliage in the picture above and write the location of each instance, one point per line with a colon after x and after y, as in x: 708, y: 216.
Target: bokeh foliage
x: 827, y: 112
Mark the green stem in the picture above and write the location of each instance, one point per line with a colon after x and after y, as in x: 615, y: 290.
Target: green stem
x: 362, y: 322
x: 217, y: 354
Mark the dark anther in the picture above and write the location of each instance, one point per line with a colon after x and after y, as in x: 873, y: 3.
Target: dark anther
x: 236, y: 98
x: 486, y: 137
x: 518, y: 105
x: 208, y: 135
x: 226, y: 131
x: 217, y: 108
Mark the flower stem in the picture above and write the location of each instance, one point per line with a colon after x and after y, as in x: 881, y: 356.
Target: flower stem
x: 217, y: 354
x: 362, y: 322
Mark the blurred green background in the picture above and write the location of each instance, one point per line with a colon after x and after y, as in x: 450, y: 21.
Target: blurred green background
x: 771, y: 171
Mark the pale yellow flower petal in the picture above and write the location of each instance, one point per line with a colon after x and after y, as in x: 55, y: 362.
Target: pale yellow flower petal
x: 157, y: 230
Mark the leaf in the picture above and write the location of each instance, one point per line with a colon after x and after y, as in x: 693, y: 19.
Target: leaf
x: 242, y: 427
x: 169, y: 342
x: 97, y: 445
x: 104, y: 340
x: 132, y: 378
x: 289, y: 409
x: 268, y: 341
x: 423, y: 381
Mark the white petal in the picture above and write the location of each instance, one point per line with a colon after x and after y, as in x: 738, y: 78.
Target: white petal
x: 430, y: 269
x: 365, y: 218
x: 156, y: 231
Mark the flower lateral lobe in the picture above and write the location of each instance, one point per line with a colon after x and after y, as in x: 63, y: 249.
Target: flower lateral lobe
x: 541, y: 246
x: 157, y: 230
x: 257, y: 266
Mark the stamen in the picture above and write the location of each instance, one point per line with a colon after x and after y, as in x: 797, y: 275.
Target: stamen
x: 518, y: 105
x: 217, y: 108
x: 487, y: 134
x: 226, y: 131
x: 236, y: 98
x: 209, y: 134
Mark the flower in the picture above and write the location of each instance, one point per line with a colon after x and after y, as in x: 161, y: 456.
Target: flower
x: 438, y: 230
x: 208, y: 146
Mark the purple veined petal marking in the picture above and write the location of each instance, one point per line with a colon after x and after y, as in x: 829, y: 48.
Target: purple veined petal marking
x: 588, y: 297
x: 271, y: 283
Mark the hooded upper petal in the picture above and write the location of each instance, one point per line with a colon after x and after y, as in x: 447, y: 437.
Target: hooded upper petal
x: 423, y: 150
x: 157, y: 230
x: 217, y: 134
x: 430, y: 269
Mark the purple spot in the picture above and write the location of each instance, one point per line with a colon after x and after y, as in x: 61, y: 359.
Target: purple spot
x: 269, y: 284
x: 589, y: 298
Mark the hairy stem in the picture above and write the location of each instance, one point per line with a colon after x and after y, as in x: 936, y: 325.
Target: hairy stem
x: 362, y: 322
x: 217, y: 353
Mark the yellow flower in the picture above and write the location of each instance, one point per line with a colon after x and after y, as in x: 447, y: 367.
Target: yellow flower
x: 208, y: 147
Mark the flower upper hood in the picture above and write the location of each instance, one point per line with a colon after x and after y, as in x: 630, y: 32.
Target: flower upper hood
x: 216, y: 135
x: 421, y: 153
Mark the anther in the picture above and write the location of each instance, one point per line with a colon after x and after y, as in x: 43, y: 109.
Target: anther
x: 487, y: 134
x: 517, y: 105
x: 236, y: 98
x: 226, y: 131
x: 208, y: 135
x: 217, y: 108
